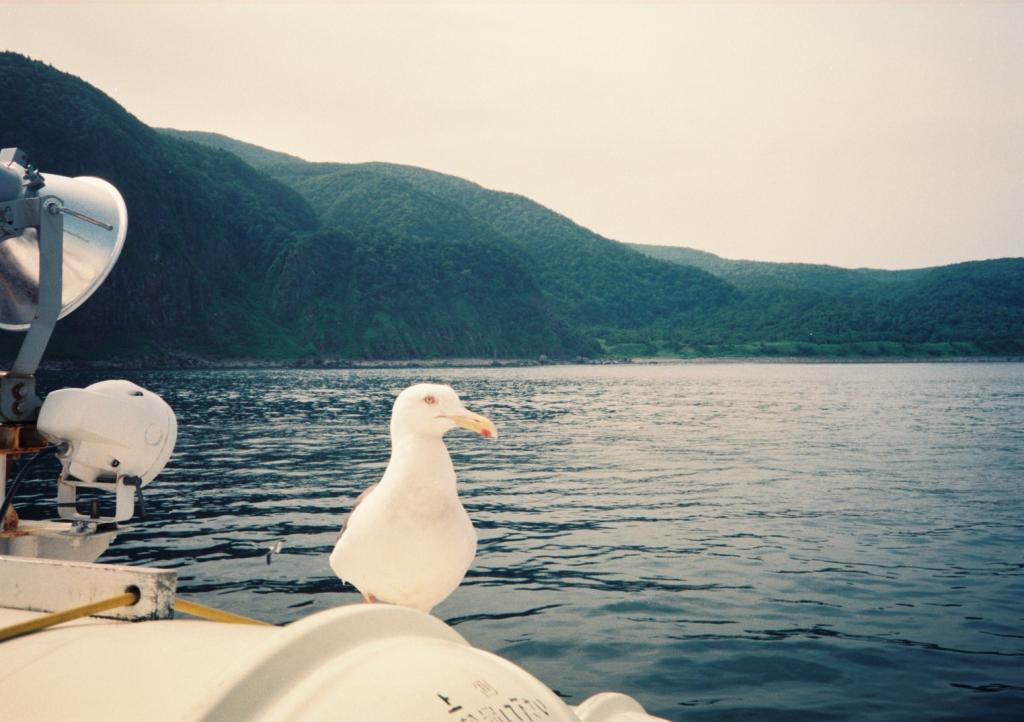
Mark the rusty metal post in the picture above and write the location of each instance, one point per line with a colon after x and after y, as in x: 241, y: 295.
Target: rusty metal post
x: 15, y: 440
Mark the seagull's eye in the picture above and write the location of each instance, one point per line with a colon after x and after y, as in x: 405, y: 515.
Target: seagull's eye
x: 429, y: 400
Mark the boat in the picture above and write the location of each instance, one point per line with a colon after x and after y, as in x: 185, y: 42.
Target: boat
x: 81, y: 640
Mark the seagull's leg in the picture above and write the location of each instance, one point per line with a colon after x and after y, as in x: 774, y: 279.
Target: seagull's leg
x: 369, y: 599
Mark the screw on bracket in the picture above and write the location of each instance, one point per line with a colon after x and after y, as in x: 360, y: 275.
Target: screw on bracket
x: 32, y: 175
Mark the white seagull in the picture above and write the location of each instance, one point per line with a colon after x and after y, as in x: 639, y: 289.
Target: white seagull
x: 408, y: 540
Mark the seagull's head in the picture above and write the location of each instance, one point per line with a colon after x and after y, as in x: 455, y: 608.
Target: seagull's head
x: 433, y: 409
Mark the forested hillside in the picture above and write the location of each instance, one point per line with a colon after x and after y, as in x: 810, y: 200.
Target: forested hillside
x: 235, y: 251
x: 594, y: 283
x: 203, y: 226
x: 966, y: 308
x: 718, y: 307
x: 223, y: 260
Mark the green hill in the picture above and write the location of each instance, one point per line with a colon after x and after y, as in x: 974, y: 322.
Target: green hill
x: 203, y: 225
x: 594, y: 283
x: 238, y: 251
x: 831, y: 280
x: 962, y: 309
x: 384, y: 295
x: 716, y: 306
x: 223, y: 260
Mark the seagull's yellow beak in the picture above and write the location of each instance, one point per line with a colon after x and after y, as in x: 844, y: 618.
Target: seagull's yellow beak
x: 475, y: 422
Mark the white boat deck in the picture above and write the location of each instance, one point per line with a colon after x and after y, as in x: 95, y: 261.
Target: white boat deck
x: 358, y: 662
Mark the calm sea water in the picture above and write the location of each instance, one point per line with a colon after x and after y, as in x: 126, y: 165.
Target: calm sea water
x: 721, y: 541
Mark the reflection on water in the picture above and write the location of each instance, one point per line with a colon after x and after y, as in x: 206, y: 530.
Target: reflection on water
x: 723, y: 541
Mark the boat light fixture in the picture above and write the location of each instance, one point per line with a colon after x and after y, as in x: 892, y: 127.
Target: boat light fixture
x: 59, y: 238
x: 119, y: 436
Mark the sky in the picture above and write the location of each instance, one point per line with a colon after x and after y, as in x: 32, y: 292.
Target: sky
x: 887, y: 135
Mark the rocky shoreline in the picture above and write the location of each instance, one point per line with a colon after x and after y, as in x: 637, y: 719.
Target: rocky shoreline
x: 184, y: 362
x: 175, y: 362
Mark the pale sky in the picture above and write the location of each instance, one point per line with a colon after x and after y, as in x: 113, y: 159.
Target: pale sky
x: 888, y: 135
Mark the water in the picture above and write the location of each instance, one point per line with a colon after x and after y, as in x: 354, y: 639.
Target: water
x: 721, y: 541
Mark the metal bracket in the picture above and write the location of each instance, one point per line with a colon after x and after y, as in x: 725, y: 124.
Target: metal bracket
x: 15, y: 440
x: 18, y: 214
x: 18, y: 399
x: 127, y: 498
x: 51, y: 277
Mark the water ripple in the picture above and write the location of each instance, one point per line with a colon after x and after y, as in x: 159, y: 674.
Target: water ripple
x: 723, y: 541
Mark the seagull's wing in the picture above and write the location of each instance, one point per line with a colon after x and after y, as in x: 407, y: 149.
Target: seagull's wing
x: 359, y: 500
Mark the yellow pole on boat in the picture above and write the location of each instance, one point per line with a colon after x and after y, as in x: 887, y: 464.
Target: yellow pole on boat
x: 127, y: 599
x: 217, y: 615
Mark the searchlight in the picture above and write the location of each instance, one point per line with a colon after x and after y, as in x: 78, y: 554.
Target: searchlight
x: 59, y: 239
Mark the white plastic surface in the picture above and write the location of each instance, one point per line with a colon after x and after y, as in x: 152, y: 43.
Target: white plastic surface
x: 613, y: 707
x: 114, y: 428
x: 105, y: 671
x: 381, y: 662
x: 371, y: 663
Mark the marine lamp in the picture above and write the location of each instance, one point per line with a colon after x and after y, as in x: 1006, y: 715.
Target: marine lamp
x: 59, y: 239
x: 113, y: 436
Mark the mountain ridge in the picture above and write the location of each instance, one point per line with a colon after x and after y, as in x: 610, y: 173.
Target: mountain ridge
x: 762, y: 308
x: 209, y: 236
x: 238, y: 251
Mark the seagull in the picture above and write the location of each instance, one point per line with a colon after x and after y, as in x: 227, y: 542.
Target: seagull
x: 274, y: 548
x: 407, y: 539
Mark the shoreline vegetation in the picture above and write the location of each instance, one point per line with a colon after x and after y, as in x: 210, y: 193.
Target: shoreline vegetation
x: 186, y: 363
